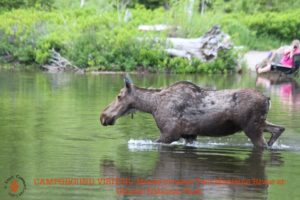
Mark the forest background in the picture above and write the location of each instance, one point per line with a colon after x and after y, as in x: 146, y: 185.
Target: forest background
x: 103, y: 35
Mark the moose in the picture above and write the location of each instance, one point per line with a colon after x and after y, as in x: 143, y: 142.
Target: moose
x: 185, y: 110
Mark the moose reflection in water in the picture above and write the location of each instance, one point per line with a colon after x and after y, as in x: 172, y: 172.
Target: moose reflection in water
x: 184, y: 110
x: 187, y: 164
x: 285, y: 87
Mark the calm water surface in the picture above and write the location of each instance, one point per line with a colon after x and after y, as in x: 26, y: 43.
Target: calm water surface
x: 49, y: 128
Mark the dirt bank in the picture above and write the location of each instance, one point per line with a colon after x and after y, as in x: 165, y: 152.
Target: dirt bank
x: 254, y: 57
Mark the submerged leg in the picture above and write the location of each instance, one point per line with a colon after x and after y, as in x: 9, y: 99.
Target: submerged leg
x: 168, y: 138
x: 189, y: 139
x: 254, y: 130
x: 275, y: 130
x: 257, y: 138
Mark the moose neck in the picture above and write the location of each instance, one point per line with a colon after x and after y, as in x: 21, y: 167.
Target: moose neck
x: 145, y: 99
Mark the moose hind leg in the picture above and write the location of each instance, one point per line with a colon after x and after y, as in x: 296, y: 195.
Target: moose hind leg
x: 254, y: 131
x: 275, y: 130
x: 256, y: 138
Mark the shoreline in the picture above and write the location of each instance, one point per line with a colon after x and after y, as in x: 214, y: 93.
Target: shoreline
x: 251, y: 58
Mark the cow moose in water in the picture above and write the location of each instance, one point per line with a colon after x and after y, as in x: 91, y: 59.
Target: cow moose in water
x: 185, y: 110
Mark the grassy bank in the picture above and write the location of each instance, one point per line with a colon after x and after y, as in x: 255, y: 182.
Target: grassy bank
x: 103, y: 40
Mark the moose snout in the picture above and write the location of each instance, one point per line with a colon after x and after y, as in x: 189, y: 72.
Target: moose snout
x: 102, y: 119
x: 105, y: 120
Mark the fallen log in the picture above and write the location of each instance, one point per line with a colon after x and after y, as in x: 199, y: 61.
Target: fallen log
x: 204, y: 48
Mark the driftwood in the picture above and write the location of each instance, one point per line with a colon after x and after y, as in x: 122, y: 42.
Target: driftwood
x: 57, y: 63
x: 204, y: 48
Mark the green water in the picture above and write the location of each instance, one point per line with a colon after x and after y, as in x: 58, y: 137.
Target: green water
x: 49, y: 128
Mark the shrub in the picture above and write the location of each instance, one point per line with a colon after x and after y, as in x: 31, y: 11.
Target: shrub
x: 8, y: 4
x: 283, y: 26
x: 26, y: 36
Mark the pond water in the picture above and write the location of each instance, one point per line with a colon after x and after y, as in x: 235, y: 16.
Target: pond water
x: 51, y: 138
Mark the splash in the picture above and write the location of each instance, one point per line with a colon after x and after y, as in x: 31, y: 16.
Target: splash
x: 142, y: 145
x: 278, y: 146
x: 148, y: 145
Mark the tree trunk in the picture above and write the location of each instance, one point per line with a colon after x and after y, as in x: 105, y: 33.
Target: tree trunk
x: 190, y: 8
x: 82, y: 3
x: 202, y: 6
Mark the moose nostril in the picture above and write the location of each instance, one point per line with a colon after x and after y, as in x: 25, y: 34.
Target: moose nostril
x: 103, y: 122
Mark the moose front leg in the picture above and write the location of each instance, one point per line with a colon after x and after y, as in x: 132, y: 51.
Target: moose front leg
x: 189, y: 139
x: 168, y: 138
x: 169, y: 132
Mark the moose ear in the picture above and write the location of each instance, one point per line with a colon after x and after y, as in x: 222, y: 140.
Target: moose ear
x: 128, y: 82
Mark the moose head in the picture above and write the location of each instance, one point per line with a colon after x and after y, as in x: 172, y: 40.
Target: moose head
x: 122, y: 105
